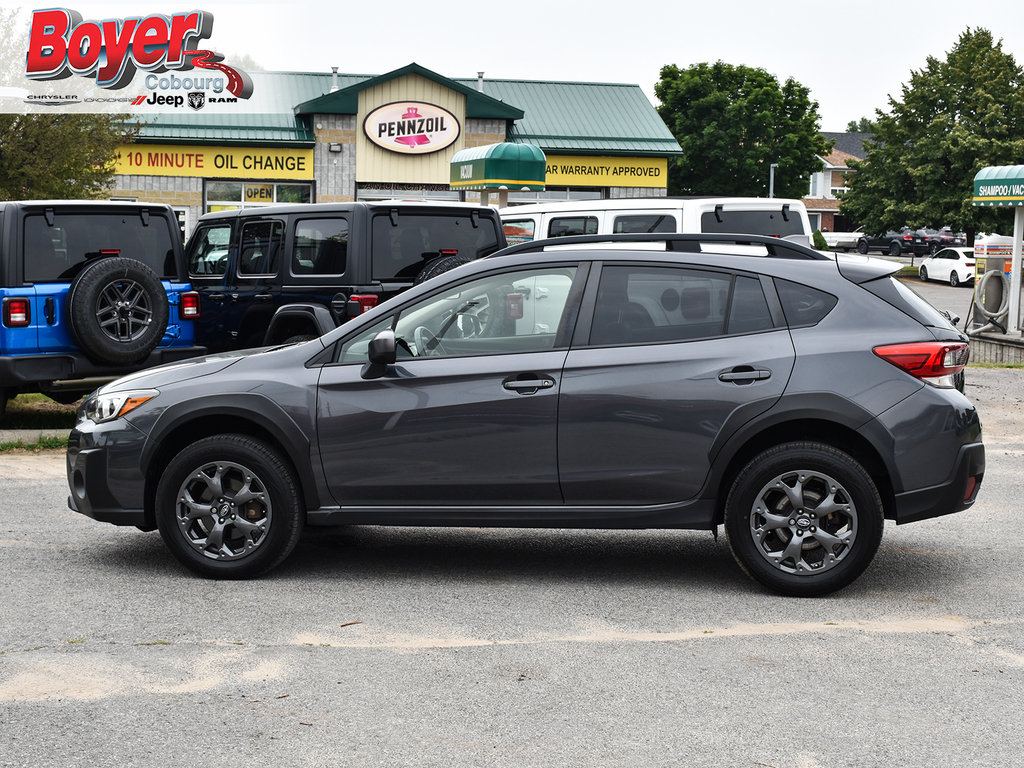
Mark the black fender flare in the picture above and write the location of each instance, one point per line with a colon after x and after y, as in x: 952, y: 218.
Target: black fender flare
x: 318, y: 316
x: 740, y: 428
x: 251, y: 407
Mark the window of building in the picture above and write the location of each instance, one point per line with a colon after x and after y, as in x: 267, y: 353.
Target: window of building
x: 231, y: 195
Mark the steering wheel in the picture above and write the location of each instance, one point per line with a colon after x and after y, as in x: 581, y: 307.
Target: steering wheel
x: 426, y: 342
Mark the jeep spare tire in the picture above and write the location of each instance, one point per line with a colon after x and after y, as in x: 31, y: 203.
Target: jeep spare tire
x: 118, y: 310
x: 440, y: 265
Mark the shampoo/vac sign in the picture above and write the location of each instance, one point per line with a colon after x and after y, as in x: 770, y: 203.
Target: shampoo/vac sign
x: 111, y: 51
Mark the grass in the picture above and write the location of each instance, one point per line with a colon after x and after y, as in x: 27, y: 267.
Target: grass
x: 38, y: 412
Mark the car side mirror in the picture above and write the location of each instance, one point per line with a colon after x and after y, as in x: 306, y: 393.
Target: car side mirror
x: 382, y: 352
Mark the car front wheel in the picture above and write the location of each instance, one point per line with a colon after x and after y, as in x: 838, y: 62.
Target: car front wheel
x: 803, y: 519
x: 923, y: 273
x: 894, y: 249
x: 228, y: 506
x: 862, y: 246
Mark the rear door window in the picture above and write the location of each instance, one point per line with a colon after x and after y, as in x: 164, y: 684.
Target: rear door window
x: 57, y: 252
x: 260, y: 249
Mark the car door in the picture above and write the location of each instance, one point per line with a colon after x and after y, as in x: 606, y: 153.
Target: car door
x: 468, y: 414
x: 942, y: 264
x: 670, y: 355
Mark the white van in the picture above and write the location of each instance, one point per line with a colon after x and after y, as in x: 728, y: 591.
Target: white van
x: 775, y: 217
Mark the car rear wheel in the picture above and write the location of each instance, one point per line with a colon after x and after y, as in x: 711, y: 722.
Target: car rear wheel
x: 894, y: 249
x: 954, y: 279
x: 923, y: 273
x: 228, y: 506
x: 803, y: 519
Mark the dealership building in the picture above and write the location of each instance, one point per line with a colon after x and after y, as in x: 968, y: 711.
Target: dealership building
x: 330, y: 137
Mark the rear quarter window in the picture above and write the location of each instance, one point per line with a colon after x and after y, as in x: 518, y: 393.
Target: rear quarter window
x: 802, y: 304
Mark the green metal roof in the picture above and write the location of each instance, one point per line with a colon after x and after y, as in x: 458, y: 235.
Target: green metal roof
x: 999, y: 185
x: 345, y: 101
x: 559, y: 117
x: 585, y: 118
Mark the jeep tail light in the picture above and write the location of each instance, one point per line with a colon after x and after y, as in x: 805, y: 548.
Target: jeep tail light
x: 449, y: 251
x: 933, y: 361
x: 366, y: 301
x: 17, y: 313
x: 189, y: 305
x: 110, y: 251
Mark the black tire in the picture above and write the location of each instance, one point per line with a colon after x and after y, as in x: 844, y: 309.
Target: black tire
x: 923, y: 273
x: 763, y: 526
x: 862, y: 246
x: 933, y: 248
x: 895, y: 249
x: 220, y: 472
x: 438, y: 266
x: 118, y: 310
x: 954, y: 279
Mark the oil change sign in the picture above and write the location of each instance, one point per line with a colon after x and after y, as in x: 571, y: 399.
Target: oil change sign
x: 214, y: 162
x: 412, y: 127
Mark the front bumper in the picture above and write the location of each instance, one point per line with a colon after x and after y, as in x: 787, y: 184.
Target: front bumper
x: 104, y: 476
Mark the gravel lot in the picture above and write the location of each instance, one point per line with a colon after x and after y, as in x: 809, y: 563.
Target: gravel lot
x: 469, y: 647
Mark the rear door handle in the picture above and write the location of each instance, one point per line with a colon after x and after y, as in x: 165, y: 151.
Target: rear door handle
x: 744, y: 375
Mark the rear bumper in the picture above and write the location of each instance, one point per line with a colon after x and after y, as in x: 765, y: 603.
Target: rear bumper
x: 26, y: 371
x: 954, y: 495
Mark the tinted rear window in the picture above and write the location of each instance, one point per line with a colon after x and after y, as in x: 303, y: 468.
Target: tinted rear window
x: 400, y: 252
x: 56, y: 253
x: 752, y: 223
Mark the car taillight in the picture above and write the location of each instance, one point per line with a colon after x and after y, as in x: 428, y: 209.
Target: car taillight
x: 366, y: 301
x: 449, y: 251
x: 936, y: 362
x: 17, y: 313
x: 908, y: 237
x: 190, y: 307
x: 968, y: 263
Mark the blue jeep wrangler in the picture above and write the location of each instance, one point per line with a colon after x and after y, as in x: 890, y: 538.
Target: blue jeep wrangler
x: 89, y: 290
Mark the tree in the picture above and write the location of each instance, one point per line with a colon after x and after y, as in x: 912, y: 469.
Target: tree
x: 58, y: 156
x: 732, y: 123
x: 864, y: 125
x: 955, y: 117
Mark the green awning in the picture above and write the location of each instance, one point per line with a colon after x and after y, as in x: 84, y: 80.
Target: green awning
x: 999, y: 185
x: 499, y: 166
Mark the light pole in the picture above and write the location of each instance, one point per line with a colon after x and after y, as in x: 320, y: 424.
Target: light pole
x: 771, y: 179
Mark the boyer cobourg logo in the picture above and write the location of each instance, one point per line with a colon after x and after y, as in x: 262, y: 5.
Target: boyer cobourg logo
x: 112, y: 51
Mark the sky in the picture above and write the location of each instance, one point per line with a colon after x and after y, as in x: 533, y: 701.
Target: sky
x: 851, y: 56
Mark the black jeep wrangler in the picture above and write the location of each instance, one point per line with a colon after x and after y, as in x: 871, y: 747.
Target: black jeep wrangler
x: 288, y: 273
x: 90, y: 290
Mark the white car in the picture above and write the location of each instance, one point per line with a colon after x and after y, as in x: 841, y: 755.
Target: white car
x: 843, y: 241
x: 952, y: 265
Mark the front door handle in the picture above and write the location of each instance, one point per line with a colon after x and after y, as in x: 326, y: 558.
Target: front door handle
x: 744, y: 374
x: 528, y: 384
x: 263, y: 296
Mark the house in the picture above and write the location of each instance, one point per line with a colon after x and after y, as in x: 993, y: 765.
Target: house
x: 828, y: 185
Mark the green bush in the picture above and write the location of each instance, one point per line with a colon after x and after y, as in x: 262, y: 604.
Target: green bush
x: 819, y: 241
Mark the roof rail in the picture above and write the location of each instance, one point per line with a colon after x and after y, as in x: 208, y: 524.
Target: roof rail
x: 775, y: 247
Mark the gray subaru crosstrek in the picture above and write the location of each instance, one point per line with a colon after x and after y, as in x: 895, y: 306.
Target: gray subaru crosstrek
x: 632, y: 381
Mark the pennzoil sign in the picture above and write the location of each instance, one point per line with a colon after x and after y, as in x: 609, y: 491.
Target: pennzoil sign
x: 412, y: 127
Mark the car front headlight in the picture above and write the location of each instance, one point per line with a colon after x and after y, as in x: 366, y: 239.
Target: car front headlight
x: 113, y: 405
